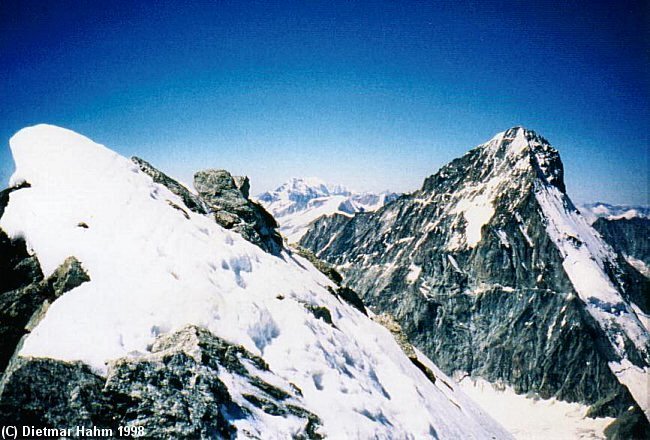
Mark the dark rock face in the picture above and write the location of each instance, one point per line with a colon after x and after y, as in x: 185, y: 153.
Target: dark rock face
x: 22, y: 292
x: 176, y: 391
x: 628, y: 236
x: 631, y: 425
x: 227, y: 199
x: 46, y: 392
x: 25, y: 295
x: 191, y: 201
x: 501, y: 306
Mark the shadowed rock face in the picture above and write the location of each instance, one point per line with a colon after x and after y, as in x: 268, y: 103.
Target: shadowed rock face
x: 175, y: 391
x: 628, y: 236
x: 227, y: 199
x: 499, y: 306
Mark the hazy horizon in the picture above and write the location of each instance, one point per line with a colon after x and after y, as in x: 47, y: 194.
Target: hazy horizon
x: 374, y: 96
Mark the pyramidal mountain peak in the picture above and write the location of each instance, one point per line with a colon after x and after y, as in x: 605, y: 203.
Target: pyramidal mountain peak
x: 487, y: 263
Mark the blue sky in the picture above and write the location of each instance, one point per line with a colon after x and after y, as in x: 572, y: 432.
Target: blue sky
x: 373, y: 95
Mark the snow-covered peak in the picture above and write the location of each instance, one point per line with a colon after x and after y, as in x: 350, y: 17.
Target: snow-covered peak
x: 596, y: 210
x: 300, y: 201
x: 502, y: 169
x: 299, y: 189
x: 155, y: 267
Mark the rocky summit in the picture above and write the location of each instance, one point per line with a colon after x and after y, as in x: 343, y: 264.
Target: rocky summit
x: 491, y: 271
x: 228, y: 199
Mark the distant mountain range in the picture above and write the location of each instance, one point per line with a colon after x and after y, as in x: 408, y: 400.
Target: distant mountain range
x: 596, y: 210
x: 300, y: 201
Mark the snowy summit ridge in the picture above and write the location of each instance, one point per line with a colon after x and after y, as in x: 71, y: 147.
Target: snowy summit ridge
x: 303, y: 362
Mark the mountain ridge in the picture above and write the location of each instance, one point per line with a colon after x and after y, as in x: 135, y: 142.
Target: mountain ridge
x: 270, y: 350
x: 493, y: 238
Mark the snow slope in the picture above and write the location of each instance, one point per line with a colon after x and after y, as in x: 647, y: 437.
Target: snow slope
x: 300, y: 201
x: 535, y: 419
x: 153, y: 271
x: 586, y: 258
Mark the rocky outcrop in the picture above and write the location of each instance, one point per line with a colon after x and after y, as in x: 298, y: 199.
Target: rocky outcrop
x: 228, y: 200
x: 24, y: 293
x: 191, y: 201
x: 325, y: 268
x: 191, y: 385
x: 469, y: 269
x: 396, y: 330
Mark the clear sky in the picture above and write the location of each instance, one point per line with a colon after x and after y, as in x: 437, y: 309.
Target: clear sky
x: 373, y: 95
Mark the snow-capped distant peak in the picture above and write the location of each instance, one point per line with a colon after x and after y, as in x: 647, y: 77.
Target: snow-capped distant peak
x: 596, y: 210
x: 300, y: 201
x: 299, y: 188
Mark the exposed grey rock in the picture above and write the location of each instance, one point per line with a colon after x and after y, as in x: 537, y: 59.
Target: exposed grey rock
x: 320, y: 312
x: 504, y: 309
x: 350, y: 296
x: 46, y: 392
x: 631, y: 425
x: 175, y: 391
x: 192, y: 202
x: 227, y: 199
x: 25, y: 295
x: 243, y: 184
x: 67, y: 276
x: 395, y: 329
x: 4, y: 195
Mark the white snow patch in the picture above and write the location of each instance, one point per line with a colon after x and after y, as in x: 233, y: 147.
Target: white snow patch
x: 637, y: 381
x: 414, y: 273
x: 301, y: 201
x: 531, y: 419
x: 477, y: 213
x: 643, y: 317
x: 639, y: 265
x: 503, y: 237
x: 454, y: 263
